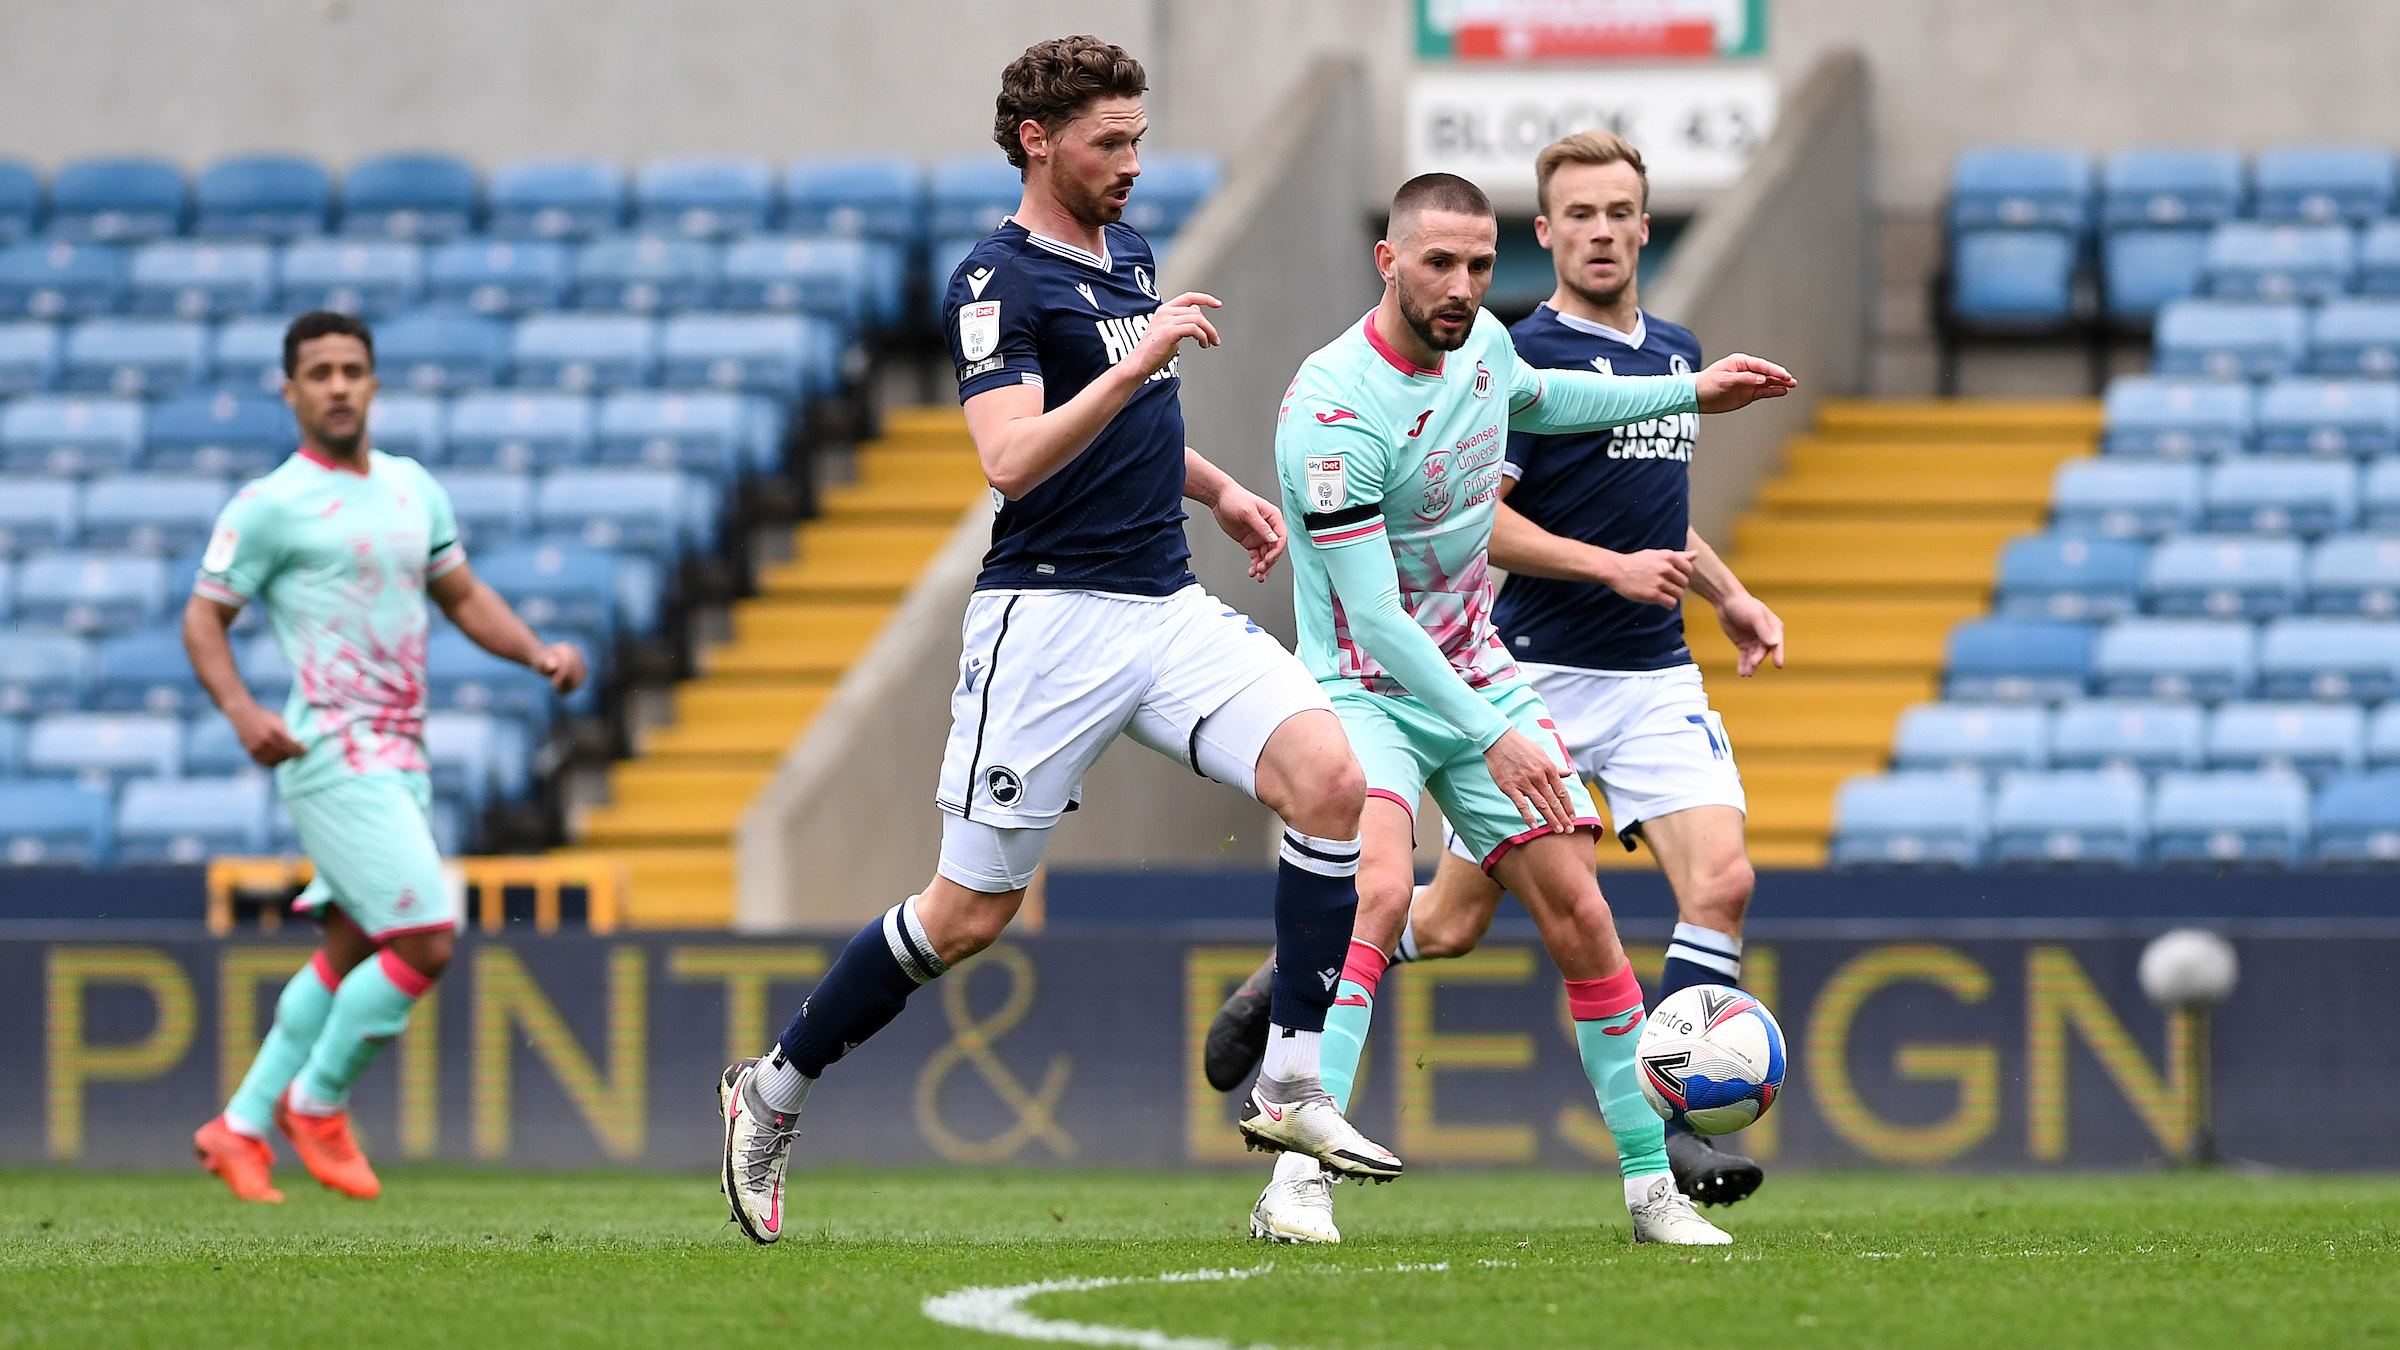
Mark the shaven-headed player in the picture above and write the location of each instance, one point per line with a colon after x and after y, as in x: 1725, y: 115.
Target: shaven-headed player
x: 342, y: 543
x: 1390, y: 446
x: 1085, y: 625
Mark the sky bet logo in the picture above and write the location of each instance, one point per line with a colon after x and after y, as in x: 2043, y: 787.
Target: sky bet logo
x: 1121, y: 336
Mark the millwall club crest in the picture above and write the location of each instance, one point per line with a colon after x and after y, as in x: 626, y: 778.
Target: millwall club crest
x: 1141, y: 278
x: 1676, y: 365
x: 1600, y: 363
x: 978, y: 329
x: 1483, y: 380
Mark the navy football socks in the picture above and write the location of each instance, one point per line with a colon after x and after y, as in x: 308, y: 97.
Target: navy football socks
x: 868, y: 986
x: 1316, y: 901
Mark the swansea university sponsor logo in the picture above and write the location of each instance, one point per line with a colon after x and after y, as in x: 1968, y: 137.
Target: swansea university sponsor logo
x: 1120, y: 336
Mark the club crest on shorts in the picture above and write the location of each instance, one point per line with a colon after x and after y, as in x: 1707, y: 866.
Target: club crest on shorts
x: 978, y: 329
x: 1003, y: 785
x: 1483, y: 380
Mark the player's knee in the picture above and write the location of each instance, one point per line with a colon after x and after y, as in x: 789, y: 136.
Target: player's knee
x: 1331, y: 794
x: 1383, y: 900
x: 1442, y: 934
x: 1720, y: 897
x: 428, y: 953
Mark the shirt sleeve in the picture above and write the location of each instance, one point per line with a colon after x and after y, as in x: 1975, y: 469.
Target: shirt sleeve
x: 1586, y: 400
x: 1522, y: 446
x: 445, y: 552
x: 991, y: 323
x: 244, y: 551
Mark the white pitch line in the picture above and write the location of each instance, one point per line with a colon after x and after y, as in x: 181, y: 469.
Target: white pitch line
x: 1001, y: 1311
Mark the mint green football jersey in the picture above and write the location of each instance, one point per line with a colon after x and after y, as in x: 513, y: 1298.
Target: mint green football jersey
x: 341, y: 561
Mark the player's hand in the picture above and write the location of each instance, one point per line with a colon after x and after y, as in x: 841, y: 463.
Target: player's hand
x: 265, y: 738
x: 1738, y: 381
x: 1179, y: 318
x: 1756, y: 632
x: 1654, y: 576
x: 1531, y: 779
x: 1256, y: 524
x: 562, y: 662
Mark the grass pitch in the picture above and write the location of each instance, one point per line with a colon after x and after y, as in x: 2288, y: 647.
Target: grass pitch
x: 489, y: 1259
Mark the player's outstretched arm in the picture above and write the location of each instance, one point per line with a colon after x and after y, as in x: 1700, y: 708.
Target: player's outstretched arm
x: 1246, y: 518
x: 265, y: 738
x: 1756, y: 631
x: 486, y: 619
x: 1021, y: 446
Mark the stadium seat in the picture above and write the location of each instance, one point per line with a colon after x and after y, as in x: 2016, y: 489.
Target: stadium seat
x: 126, y: 200
x: 54, y: 279
x: 29, y: 359
x: 42, y: 672
x: 1170, y: 189
x: 264, y: 672
x: 2171, y: 187
x: 460, y: 675
x: 246, y: 356
x: 1984, y: 738
x: 68, y: 436
x: 370, y: 277
x: 2206, y: 659
x: 2124, y: 499
x: 2379, y: 496
x: 47, y: 825
x: 408, y: 424
x: 2069, y: 817
x: 434, y: 352
x: 635, y: 510
x: 20, y: 201
x: 1909, y: 819
x: 702, y: 431
x: 580, y: 352
x: 2329, y: 418
x: 2358, y: 819
x: 2331, y: 658
x: 645, y: 274
x: 2013, y: 277
x: 2355, y: 574
x: 12, y: 748
x: 192, y: 279
x: 36, y: 515
x: 2268, y: 496
x: 557, y: 198
x: 2356, y: 337
x: 2223, y: 576
x: 2324, y: 183
x: 866, y: 196
x: 2379, y: 259
x: 556, y: 585
x: 409, y: 197
x: 2223, y: 339
x: 90, y: 592
x: 2142, y: 269
x: 2216, y: 819
x: 2253, y: 260
x: 520, y: 430
x: 498, y: 276
x: 2021, y: 188
x: 146, y: 671
x: 492, y: 509
x: 2016, y: 660
x: 705, y: 198
x: 185, y: 822
x: 275, y: 197
x: 151, y: 357
x: 161, y: 517
x: 103, y: 749
x: 2314, y: 740
x: 2383, y: 736
x: 211, y: 747
x: 783, y: 275
x: 762, y: 353
x: 220, y: 433
x: 2147, y: 417
x: 972, y: 194
x: 460, y: 748
x: 2141, y: 735
x: 2055, y: 576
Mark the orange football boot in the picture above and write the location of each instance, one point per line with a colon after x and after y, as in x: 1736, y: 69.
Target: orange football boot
x: 327, y: 1150
x: 244, y: 1164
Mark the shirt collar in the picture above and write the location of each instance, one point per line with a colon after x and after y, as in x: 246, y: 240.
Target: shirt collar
x: 1398, y: 362
x: 324, y: 461
x: 1639, y: 335
x: 1073, y: 252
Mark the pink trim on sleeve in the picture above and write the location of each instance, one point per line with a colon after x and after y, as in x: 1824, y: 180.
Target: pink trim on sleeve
x: 223, y: 595
x: 445, y: 561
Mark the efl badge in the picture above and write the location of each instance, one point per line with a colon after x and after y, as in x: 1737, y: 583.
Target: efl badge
x: 1483, y: 380
x: 1326, y: 485
x: 221, y: 546
x: 979, y: 329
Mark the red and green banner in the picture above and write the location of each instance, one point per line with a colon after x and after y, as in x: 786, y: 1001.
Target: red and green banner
x: 1510, y: 31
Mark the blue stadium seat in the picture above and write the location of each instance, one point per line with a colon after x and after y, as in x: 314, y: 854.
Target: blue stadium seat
x: 2379, y: 496
x: 64, y: 436
x: 2383, y: 736
x: 2355, y: 574
x: 36, y: 515
x: 161, y: 517
x: 762, y: 353
x: 152, y: 357
x: 579, y: 352
x: 2379, y: 259
x: 1985, y: 738
x: 2356, y: 337
x: 2014, y: 660
x: 2069, y: 817
x: 461, y: 748
x: 146, y: 671
x: 2269, y: 496
x: 414, y: 425
x: 2172, y: 187
x: 942, y: 263
x: 435, y: 352
x: 702, y: 431
x: 2324, y: 183
x: 2223, y: 576
x: 264, y: 672
x: 221, y: 432
x: 1170, y: 189
x: 103, y: 749
x: 2147, y: 417
x: 54, y: 279
x: 972, y: 194
x: 866, y: 196
x: 635, y: 510
x: 645, y: 274
x: 498, y: 276
x: 556, y: 585
x: 29, y: 360
x: 2224, y: 339
x: 264, y: 197
x: 20, y: 201
x: 2358, y: 819
x: 187, y: 821
x: 2141, y: 270
x: 492, y: 509
x: 47, y: 825
x: 12, y: 748
x: 2013, y: 277
x: 557, y: 198
x: 2207, y: 659
x: 2331, y: 658
x: 194, y: 279
x: 520, y: 430
x: 705, y: 198
x: 2315, y: 740
x: 2141, y: 735
x: 211, y: 747
x: 2329, y: 418
x: 2124, y: 498
x: 783, y: 275
x: 1910, y: 819
x: 409, y: 196
x: 371, y: 277
x: 42, y: 672
x: 2020, y: 188
x: 461, y: 675
x: 2058, y: 576
x: 2217, y: 819
x: 246, y: 356
x: 91, y: 592
x: 2253, y: 260
x: 126, y: 200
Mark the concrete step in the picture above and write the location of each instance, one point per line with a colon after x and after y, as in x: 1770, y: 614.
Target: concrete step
x: 1831, y: 635
x: 675, y: 887
x: 1962, y: 419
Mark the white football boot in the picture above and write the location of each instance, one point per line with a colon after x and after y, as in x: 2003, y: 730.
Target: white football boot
x: 1297, y: 1207
x: 758, y: 1145
x: 1664, y: 1214
x: 1300, y: 1117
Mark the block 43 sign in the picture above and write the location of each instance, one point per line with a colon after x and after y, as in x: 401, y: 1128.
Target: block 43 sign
x: 1588, y: 30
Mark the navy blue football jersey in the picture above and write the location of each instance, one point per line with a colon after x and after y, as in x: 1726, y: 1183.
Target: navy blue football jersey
x: 1023, y: 309
x: 1624, y: 490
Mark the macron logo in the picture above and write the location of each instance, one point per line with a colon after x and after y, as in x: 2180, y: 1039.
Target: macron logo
x: 1336, y: 415
x: 1331, y: 975
x: 978, y: 279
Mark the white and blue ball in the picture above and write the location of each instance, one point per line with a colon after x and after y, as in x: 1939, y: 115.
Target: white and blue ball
x: 1711, y: 1059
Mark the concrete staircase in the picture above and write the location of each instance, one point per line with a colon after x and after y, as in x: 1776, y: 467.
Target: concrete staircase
x: 673, y: 808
